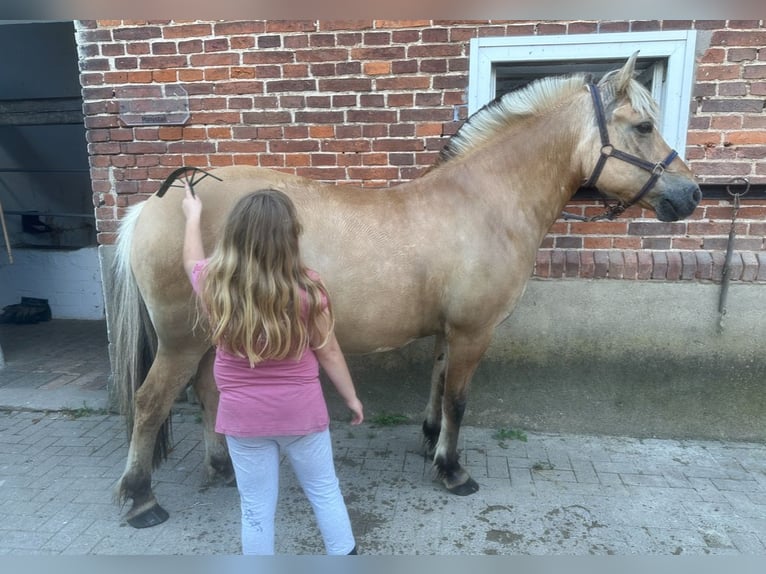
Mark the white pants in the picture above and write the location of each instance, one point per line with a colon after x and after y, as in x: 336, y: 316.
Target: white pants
x: 256, y: 465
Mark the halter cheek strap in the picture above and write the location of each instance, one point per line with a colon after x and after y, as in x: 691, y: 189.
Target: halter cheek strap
x: 608, y: 150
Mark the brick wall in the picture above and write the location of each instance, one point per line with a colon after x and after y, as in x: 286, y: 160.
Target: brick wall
x: 372, y: 102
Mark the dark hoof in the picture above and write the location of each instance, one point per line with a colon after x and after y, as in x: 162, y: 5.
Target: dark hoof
x: 468, y: 487
x: 152, y: 516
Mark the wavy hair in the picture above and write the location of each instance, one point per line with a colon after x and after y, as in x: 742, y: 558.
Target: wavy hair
x: 260, y: 301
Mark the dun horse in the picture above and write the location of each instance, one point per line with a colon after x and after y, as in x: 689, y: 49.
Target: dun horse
x: 447, y: 254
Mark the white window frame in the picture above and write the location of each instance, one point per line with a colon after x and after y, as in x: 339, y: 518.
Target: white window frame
x: 672, y: 87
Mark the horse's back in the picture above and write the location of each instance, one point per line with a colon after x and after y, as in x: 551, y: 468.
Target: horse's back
x: 371, y: 246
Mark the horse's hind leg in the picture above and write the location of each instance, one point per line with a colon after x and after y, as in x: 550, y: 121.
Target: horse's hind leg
x: 217, y: 460
x: 169, y: 373
x: 465, y: 352
x: 433, y: 421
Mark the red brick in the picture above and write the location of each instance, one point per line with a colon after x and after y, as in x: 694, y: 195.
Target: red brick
x: 405, y: 36
x: 738, y: 38
x: 597, y: 242
x: 293, y: 146
x: 630, y: 259
x: 616, y: 264
x: 402, y: 23
x: 587, y: 264
x: 368, y: 173
x: 346, y: 85
x: 761, y: 266
x: 137, y: 33
x: 331, y: 174
x: 601, y: 262
x: 404, y: 83
x: 674, y: 265
x: 543, y: 263
x: 736, y: 266
x: 718, y: 262
x: 558, y: 263
x: 750, y: 266
x: 645, y: 265
x: 186, y: 31
x: 582, y: 27
x: 290, y: 86
x: 377, y: 68
x: 319, y: 117
x: 348, y: 39
x: 344, y: 25
x: 572, y: 258
x: 325, y: 55
x: 746, y: 137
x: 434, y: 51
x: 377, y: 38
x: 397, y: 145
x: 290, y: 26
x: 234, y: 28
x: 345, y: 146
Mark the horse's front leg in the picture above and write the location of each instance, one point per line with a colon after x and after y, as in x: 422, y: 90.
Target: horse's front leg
x: 433, y: 422
x: 153, y: 401
x: 217, y: 459
x: 465, y: 352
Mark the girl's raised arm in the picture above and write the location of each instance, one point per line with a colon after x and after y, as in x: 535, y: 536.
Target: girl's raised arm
x: 193, y: 250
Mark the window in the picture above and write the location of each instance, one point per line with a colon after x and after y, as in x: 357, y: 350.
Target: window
x: 665, y: 65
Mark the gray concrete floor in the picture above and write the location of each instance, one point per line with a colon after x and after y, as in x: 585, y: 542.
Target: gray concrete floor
x: 540, y: 493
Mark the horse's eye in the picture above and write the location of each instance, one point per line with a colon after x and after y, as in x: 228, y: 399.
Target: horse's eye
x: 645, y: 127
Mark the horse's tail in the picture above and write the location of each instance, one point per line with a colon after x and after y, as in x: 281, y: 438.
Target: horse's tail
x: 134, y: 340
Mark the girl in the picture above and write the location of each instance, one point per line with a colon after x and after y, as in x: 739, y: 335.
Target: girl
x: 272, y: 325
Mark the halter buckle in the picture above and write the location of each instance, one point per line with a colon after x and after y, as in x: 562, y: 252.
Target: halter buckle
x: 658, y: 169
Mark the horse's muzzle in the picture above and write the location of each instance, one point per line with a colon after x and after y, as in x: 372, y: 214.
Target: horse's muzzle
x: 677, y: 202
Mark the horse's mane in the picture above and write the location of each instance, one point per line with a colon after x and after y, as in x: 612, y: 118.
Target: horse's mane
x: 534, y: 98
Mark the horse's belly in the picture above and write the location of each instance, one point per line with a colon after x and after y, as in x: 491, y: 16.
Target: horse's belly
x: 360, y: 332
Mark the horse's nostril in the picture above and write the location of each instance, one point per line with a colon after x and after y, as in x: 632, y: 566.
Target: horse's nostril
x: 697, y: 195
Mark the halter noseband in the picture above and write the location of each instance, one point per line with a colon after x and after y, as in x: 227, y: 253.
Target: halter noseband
x: 608, y: 150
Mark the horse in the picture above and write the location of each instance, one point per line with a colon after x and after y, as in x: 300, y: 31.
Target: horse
x: 447, y: 254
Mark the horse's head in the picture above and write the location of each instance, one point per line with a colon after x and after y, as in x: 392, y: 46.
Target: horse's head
x: 629, y: 159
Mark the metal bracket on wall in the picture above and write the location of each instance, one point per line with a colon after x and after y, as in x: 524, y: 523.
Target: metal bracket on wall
x: 153, y: 105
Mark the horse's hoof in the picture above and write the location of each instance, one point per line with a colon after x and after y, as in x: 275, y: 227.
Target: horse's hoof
x: 468, y: 487
x: 151, y: 516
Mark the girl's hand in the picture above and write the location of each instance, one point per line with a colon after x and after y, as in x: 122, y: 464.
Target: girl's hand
x: 191, y: 204
x: 357, y: 411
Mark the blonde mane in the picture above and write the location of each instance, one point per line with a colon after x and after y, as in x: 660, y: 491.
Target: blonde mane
x: 499, y: 114
x: 536, y: 98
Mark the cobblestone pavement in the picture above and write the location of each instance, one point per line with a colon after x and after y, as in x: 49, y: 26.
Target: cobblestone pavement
x: 541, y: 494
x: 552, y: 494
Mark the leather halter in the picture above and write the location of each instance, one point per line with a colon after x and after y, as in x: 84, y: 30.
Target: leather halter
x: 608, y: 150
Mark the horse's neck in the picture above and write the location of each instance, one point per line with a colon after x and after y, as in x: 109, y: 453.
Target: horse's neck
x: 532, y: 171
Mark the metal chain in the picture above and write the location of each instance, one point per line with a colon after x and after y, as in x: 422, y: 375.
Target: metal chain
x: 726, y: 272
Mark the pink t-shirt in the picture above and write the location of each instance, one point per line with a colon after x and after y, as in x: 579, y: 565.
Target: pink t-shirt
x: 273, y: 398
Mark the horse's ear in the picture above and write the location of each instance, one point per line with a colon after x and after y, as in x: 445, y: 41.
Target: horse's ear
x: 625, y: 75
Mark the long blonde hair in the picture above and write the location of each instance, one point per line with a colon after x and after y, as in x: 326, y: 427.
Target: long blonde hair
x: 259, y: 299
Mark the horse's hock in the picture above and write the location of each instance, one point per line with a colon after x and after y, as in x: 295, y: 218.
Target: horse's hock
x: 637, y: 358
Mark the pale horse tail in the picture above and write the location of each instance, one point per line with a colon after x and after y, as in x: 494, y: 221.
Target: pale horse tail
x: 134, y: 340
